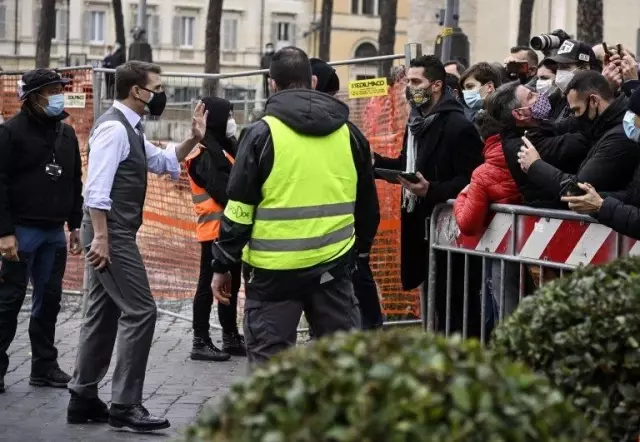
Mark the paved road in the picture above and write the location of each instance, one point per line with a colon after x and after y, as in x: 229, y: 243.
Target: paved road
x: 175, y: 386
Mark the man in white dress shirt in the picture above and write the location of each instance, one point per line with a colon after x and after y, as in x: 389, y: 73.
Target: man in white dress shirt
x: 120, y: 301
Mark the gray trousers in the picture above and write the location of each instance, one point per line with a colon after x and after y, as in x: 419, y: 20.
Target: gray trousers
x: 120, y: 308
x: 271, y: 327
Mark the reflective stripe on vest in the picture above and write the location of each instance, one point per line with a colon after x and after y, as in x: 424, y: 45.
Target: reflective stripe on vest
x: 208, y: 211
x: 306, y: 214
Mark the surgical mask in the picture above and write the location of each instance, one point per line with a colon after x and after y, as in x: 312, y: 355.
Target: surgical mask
x: 563, y: 78
x: 473, y: 99
x: 55, y: 106
x: 418, y: 97
x: 633, y: 132
x: 156, y: 103
x: 543, y: 86
x: 541, y: 109
x: 232, y: 127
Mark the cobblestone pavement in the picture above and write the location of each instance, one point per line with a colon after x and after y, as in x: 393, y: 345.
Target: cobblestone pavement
x: 175, y: 386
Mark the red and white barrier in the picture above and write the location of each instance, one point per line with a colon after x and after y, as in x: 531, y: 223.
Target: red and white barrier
x: 554, y: 240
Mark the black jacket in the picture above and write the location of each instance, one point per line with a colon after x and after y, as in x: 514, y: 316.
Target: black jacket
x: 312, y: 113
x: 610, y: 163
x: 447, y: 154
x: 564, y: 151
x: 211, y: 169
x: 28, y: 196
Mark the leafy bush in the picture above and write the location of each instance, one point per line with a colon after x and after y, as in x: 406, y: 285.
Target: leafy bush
x: 393, y: 386
x: 583, y: 332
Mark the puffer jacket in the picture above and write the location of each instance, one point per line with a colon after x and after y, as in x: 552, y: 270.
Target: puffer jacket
x: 490, y: 183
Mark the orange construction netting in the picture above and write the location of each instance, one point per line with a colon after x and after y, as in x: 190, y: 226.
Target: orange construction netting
x: 167, y: 240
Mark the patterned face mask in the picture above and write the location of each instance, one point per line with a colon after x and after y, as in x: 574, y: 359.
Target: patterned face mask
x: 418, y: 97
x: 541, y: 109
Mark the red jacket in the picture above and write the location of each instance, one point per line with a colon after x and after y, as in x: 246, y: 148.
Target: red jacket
x: 491, y: 183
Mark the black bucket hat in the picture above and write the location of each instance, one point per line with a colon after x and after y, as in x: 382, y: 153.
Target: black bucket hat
x: 37, y: 79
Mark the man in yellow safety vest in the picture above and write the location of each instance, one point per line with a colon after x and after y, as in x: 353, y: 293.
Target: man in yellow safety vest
x: 301, y: 201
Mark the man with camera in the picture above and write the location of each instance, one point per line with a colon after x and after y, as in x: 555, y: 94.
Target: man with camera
x: 40, y: 191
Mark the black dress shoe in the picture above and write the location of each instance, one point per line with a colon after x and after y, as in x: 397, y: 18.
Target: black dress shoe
x: 53, y: 378
x: 136, y: 418
x: 204, y: 350
x: 233, y: 343
x: 82, y: 410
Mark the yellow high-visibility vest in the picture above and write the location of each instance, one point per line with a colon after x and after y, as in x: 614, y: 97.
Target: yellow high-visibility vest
x: 306, y: 216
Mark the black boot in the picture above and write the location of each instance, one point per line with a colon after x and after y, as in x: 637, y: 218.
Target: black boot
x: 135, y: 417
x: 53, y: 378
x: 204, y: 350
x: 82, y: 410
x: 233, y: 343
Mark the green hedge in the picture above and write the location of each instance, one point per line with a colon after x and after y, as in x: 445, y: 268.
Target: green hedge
x: 583, y: 332
x: 390, y: 387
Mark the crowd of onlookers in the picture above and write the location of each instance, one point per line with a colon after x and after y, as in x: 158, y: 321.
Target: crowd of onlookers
x: 558, y: 133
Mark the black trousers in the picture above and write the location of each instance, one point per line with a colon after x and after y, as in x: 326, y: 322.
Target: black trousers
x: 203, y: 300
x: 366, y: 291
x: 43, y: 259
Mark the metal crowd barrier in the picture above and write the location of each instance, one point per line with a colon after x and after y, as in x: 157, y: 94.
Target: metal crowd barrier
x: 524, y: 246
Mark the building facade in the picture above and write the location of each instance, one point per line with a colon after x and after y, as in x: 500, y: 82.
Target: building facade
x: 175, y: 30
x: 492, y: 25
x: 355, y: 26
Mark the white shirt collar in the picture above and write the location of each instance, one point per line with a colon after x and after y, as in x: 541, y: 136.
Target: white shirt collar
x: 132, y: 117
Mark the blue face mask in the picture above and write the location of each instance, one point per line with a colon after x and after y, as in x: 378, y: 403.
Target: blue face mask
x: 55, y: 106
x: 633, y: 133
x: 473, y: 99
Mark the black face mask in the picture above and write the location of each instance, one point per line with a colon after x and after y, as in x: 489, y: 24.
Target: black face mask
x: 157, y: 103
x: 584, y: 119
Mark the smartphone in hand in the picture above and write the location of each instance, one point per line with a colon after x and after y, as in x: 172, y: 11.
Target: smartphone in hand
x: 571, y: 188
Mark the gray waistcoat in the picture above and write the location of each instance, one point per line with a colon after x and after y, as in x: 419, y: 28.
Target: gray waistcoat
x: 130, y: 182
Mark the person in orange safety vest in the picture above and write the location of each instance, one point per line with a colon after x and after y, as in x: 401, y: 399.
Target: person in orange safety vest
x: 208, y: 169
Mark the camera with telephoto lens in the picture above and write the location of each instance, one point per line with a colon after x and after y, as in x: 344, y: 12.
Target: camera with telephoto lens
x: 545, y: 42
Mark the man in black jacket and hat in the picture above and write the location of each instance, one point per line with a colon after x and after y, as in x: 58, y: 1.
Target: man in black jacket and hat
x: 443, y: 148
x: 613, y: 158
x: 40, y: 192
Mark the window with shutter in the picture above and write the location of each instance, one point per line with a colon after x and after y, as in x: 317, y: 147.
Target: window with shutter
x: 61, y: 26
x: 187, y: 29
x: 175, y: 38
x: 230, y: 34
x: 96, y: 27
x: 154, y: 33
x: 3, y: 21
x: 86, y: 18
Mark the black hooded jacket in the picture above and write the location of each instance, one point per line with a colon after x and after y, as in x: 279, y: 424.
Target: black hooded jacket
x: 28, y: 196
x: 211, y: 169
x: 610, y: 163
x: 447, y: 155
x: 311, y: 113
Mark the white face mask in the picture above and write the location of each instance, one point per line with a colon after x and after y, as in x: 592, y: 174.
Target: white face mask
x: 563, y: 78
x: 543, y: 86
x: 232, y: 127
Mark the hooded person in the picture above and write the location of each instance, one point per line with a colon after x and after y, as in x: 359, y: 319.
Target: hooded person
x: 442, y: 148
x: 209, y: 167
x: 363, y: 283
x: 302, y: 203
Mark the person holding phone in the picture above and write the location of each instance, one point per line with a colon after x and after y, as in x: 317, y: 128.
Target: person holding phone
x: 441, y: 149
x: 618, y: 210
x: 613, y: 158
